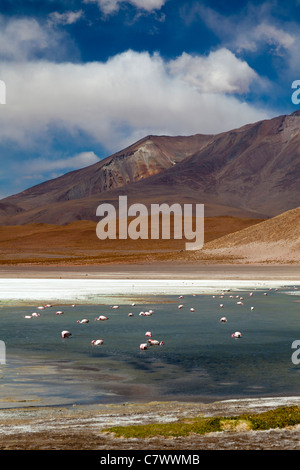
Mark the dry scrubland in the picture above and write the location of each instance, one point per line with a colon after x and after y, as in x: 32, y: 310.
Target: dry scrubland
x: 77, y: 243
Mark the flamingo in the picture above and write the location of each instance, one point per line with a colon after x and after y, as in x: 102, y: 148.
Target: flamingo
x: 192, y: 309
x: 237, y: 334
x: 221, y: 305
x: 101, y: 318
x: 143, y: 346
x: 84, y: 320
x: 130, y: 314
x: 148, y: 333
x: 34, y: 314
x: 223, y: 319
x: 41, y: 307
x: 252, y: 308
x: 239, y: 303
x: 154, y: 342
x: 28, y: 317
x: 65, y: 334
x: 114, y: 306
x: 180, y: 306
x: 97, y: 342
x: 59, y: 312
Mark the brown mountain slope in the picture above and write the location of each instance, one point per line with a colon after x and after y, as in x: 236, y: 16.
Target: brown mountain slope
x: 253, y: 168
x: 276, y: 239
x: 253, y: 171
x: 147, y: 157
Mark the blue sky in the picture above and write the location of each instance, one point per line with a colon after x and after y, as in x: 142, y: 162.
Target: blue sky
x: 86, y: 78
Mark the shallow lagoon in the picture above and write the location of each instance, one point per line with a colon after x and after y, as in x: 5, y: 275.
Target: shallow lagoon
x: 199, y: 361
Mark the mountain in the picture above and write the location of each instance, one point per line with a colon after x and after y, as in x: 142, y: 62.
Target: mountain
x: 273, y: 240
x: 252, y: 171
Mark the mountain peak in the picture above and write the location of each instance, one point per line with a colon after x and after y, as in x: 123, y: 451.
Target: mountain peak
x: 253, y: 171
x: 295, y: 113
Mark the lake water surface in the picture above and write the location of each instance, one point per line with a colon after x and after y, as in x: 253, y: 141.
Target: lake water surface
x: 199, y: 361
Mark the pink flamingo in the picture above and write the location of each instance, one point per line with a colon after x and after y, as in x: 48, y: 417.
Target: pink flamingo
x: 84, y: 320
x: 143, y: 346
x: 223, y: 319
x: 154, y: 342
x: 101, y: 318
x: 65, y: 334
x: 97, y: 342
x: 148, y: 333
x: 237, y: 334
x: 59, y: 312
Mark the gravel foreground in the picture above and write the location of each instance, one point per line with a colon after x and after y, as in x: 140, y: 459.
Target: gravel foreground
x: 83, y: 427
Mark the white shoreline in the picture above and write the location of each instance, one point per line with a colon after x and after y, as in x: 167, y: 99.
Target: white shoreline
x: 91, y: 290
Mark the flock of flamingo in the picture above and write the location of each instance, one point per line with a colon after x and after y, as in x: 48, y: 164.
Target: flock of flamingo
x: 150, y: 341
x: 98, y: 342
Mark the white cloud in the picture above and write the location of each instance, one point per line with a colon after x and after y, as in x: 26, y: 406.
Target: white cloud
x: 219, y: 72
x: 42, y: 165
x: 250, y: 30
x: 127, y: 97
x: 274, y: 36
x: 68, y: 17
x: 22, y: 39
x: 111, y: 6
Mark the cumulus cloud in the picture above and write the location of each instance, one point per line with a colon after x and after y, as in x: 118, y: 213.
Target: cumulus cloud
x: 24, y: 39
x: 68, y: 17
x: 125, y: 98
x: 111, y: 6
x: 219, y: 72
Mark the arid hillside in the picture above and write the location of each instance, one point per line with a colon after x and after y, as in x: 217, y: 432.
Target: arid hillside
x: 274, y: 240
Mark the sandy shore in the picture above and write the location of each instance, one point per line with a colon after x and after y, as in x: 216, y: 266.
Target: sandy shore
x: 81, y: 427
x: 280, y: 272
